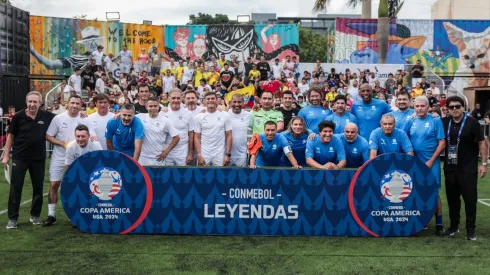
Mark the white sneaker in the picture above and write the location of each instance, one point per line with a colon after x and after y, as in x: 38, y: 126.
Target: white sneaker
x: 12, y: 224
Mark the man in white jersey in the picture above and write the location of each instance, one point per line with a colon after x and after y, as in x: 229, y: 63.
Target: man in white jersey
x: 75, y: 81
x: 82, y: 145
x: 97, y: 122
x: 240, y: 120
x: 213, y: 136
x: 191, y: 98
x: 156, y: 128
x: 98, y: 55
x: 61, y: 132
x: 183, y: 121
x: 126, y: 60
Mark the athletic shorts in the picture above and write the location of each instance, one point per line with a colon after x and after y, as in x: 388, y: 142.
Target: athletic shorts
x: 56, y: 170
x: 125, y: 68
x: 216, y: 160
x: 239, y: 162
x: 176, y: 161
x: 150, y: 162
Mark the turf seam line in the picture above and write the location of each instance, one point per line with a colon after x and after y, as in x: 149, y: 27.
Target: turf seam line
x: 482, y: 201
x: 23, y: 203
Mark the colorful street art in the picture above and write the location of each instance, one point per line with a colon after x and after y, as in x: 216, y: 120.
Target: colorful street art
x: 272, y: 41
x: 59, y: 44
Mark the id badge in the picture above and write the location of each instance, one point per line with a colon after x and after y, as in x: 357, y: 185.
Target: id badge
x: 452, y: 156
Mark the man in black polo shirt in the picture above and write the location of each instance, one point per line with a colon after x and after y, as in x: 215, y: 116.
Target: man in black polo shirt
x: 287, y: 110
x: 464, y: 141
x: 264, y: 68
x: 143, y: 96
x: 27, y: 133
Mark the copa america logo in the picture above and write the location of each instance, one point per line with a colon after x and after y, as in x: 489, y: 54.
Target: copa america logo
x: 396, y: 186
x: 105, y: 183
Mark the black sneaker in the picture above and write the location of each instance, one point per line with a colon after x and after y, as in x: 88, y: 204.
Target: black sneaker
x: 440, y: 230
x: 470, y: 234
x: 451, y: 231
x: 50, y: 221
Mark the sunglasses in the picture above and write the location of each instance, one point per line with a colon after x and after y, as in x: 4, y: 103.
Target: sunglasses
x: 452, y: 107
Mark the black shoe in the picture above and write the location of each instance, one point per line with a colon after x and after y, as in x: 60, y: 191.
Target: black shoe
x: 451, y: 231
x: 470, y: 234
x: 440, y: 230
x: 50, y: 221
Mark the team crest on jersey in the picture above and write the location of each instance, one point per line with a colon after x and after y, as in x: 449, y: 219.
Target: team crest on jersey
x: 359, y: 108
x: 323, y: 111
x: 354, y: 150
x: 105, y: 183
x: 373, y: 107
x: 331, y: 149
x: 274, y: 147
x: 180, y: 117
x: 394, y: 141
x: 242, y: 119
x: 219, y: 119
x: 426, y: 125
x: 396, y: 186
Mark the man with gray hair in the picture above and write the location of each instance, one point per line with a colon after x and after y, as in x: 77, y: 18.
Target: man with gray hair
x: 125, y: 134
x: 26, y: 134
x: 356, y: 147
x: 388, y: 139
x: 428, y: 139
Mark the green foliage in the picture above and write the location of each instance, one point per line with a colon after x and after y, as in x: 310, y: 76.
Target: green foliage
x: 8, y: 2
x: 312, y: 46
x: 208, y: 19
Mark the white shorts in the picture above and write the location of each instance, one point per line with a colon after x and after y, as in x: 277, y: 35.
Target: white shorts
x: 56, y: 171
x: 216, y: 160
x: 124, y: 68
x: 150, y: 162
x: 239, y: 162
x: 175, y: 161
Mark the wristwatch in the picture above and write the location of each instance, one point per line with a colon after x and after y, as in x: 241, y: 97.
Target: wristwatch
x: 228, y: 155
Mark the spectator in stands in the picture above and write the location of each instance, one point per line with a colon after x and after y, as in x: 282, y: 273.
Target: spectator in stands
x: 266, y: 113
x: 435, y: 91
x: 432, y: 100
x: 424, y: 84
x: 356, y: 147
x: 353, y: 91
x: 417, y: 91
x: 388, y: 139
x: 91, y: 109
x: 325, y: 151
x: 264, y: 68
x: 442, y: 100
x: 390, y: 84
x: 476, y: 113
x: 340, y: 117
x: 58, y: 109
x: 314, y: 113
x: 417, y: 72
x: 301, y: 101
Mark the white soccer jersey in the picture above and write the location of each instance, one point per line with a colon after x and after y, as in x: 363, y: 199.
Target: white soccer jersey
x: 212, y: 127
x: 240, y: 125
x: 74, y: 150
x: 196, y: 111
x: 98, y: 124
x: 156, y: 129
x: 62, y: 128
x: 100, y: 85
x: 98, y: 57
x: 184, y: 122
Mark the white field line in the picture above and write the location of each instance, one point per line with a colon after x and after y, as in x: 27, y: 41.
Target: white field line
x: 28, y: 201
x: 483, y: 202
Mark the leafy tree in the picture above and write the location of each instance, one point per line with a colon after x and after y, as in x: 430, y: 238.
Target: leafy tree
x: 313, y: 46
x: 208, y: 19
x: 8, y: 2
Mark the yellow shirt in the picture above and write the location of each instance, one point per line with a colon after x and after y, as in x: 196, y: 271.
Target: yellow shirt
x: 90, y: 111
x: 178, y: 74
x: 330, y: 96
x: 252, y: 74
x: 417, y: 92
x: 212, y: 77
x: 197, y: 78
x: 221, y: 63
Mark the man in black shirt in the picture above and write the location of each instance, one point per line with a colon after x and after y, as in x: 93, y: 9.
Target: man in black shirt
x: 27, y: 133
x: 464, y: 141
x: 287, y: 110
x: 143, y: 96
x: 226, y: 77
x: 476, y: 113
x: 417, y: 70
x: 264, y: 68
x: 248, y: 67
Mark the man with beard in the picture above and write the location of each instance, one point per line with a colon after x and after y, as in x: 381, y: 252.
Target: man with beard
x: 143, y: 95
x: 266, y: 113
x: 240, y: 121
x: 61, y: 132
x: 404, y: 113
x: 125, y: 134
x: 98, y: 121
x: 190, y: 97
x: 325, y: 151
x: 213, y: 134
x: 226, y: 78
x: 264, y: 68
x: 272, y: 149
x: 389, y: 139
x: 428, y: 139
x: 368, y: 111
x: 287, y: 107
x: 183, y: 121
x: 356, y: 147
x: 156, y: 126
x: 27, y: 132
x: 341, y: 117
x: 314, y: 113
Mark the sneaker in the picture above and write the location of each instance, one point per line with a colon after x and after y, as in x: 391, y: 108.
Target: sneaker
x: 470, y: 234
x: 12, y: 224
x: 440, y: 230
x: 451, y: 231
x: 50, y: 221
x: 36, y: 220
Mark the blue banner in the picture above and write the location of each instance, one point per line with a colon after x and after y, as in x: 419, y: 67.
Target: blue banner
x: 108, y: 192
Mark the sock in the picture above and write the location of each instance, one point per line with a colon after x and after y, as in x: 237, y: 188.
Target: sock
x: 52, y: 209
x: 439, y: 220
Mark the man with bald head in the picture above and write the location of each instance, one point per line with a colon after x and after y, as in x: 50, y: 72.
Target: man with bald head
x: 389, y: 139
x: 356, y: 147
x: 368, y: 111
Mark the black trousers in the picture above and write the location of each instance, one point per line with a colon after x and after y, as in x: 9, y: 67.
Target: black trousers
x: 36, y: 171
x: 459, y: 184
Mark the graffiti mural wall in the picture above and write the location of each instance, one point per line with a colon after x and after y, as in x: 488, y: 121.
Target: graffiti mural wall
x: 453, y: 49
x: 272, y: 41
x: 59, y: 44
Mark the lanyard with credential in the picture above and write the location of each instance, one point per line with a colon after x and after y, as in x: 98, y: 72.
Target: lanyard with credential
x: 460, y: 130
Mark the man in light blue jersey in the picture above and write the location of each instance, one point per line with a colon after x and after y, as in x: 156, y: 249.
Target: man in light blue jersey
x: 388, y: 139
x: 404, y: 113
x: 314, y: 113
x: 273, y: 146
x: 428, y: 139
x: 126, y: 133
x: 356, y: 147
x: 325, y: 151
x: 341, y: 117
x: 368, y: 111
